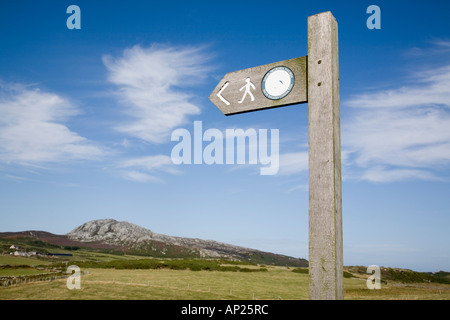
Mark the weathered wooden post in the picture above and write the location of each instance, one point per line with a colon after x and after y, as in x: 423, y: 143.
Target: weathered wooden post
x: 325, y: 199
x: 313, y: 79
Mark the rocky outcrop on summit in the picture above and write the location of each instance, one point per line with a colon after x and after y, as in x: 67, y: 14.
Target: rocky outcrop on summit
x: 142, y: 240
x: 123, y: 233
x: 110, y: 231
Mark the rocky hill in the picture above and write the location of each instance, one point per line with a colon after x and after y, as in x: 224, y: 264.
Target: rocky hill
x: 140, y: 240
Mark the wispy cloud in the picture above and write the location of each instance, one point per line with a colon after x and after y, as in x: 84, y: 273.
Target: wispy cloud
x: 32, y: 129
x: 431, y: 87
x: 145, y: 169
x: 438, y: 47
x: 138, y: 176
x: 153, y: 85
x: 401, y: 133
x: 386, y: 174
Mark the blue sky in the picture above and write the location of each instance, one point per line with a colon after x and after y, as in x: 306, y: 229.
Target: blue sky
x: 86, y: 118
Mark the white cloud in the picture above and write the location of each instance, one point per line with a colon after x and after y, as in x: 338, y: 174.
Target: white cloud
x: 153, y: 83
x: 144, y: 169
x: 431, y: 88
x: 438, y: 47
x: 138, y: 176
x: 32, y: 130
x: 401, y: 133
x: 383, y: 174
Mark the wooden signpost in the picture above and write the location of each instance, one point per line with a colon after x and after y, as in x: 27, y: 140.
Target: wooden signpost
x: 230, y: 99
x: 313, y: 79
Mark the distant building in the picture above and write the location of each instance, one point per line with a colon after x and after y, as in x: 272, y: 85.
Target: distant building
x: 24, y: 254
x: 14, y: 247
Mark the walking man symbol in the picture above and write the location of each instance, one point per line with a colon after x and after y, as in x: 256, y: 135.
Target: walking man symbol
x: 247, y: 87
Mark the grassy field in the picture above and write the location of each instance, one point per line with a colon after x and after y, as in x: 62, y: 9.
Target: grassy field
x: 19, y: 272
x: 13, y: 260
x: 108, y: 276
x: 165, y: 284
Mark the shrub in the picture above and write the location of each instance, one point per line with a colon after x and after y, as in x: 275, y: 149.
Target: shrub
x: 300, y: 270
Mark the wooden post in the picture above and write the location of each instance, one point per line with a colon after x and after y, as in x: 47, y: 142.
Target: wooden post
x: 319, y: 86
x: 325, y: 198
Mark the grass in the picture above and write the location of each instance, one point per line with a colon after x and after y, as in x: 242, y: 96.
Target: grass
x: 277, y: 283
x: 400, y: 292
x: 19, y: 272
x: 174, y: 264
x: 17, y: 260
x: 167, y: 284
x: 111, y: 277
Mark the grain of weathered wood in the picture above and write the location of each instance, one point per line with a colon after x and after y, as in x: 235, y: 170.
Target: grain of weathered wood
x: 325, y: 204
x: 231, y: 84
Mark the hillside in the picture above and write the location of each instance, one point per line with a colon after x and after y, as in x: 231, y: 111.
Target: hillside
x: 143, y: 241
x: 120, y: 237
x: 47, y: 239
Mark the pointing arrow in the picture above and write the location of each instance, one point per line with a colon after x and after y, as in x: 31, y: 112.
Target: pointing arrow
x: 220, y: 94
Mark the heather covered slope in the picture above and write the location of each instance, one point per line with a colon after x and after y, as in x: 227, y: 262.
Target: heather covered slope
x: 120, y: 237
x: 141, y: 240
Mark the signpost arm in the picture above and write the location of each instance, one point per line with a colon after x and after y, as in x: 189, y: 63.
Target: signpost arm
x: 325, y: 195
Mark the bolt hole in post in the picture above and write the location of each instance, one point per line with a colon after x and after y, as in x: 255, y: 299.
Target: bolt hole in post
x: 319, y: 62
x: 319, y: 84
